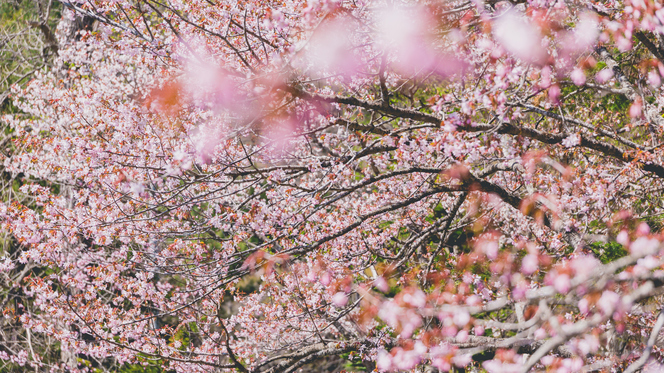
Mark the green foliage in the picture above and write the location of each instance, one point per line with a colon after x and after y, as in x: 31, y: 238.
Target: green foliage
x: 353, y: 363
x: 22, y: 46
x: 616, y: 103
x: 608, y: 252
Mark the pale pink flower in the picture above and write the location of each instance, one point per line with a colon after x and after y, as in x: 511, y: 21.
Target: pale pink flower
x: 562, y: 283
x: 462, y: 360
x: 529, y: 264
x: 584, y: 265
x: 497, y: 366
x: 604, y: 75
x: 406, y: 33
x: 136, y: 189
x: 473, y: 300
x: 642, y: 229
x: 330, y: 48
x: 608, y: 302
x: 519, y: 37
x: 384, y: 361
x: 461, y: 318
x: 280, y: 134
x: 6, y: 265
x: 644, y: 246
x: 381, y: 284
x: 654, y: 79
x: 554, y: 94
x: 416, y: 298
x: 478, y: 330
x: 586, y: 31
x: 578, y: 76
x: 624, y: 44
x: 635, y: 109
x: 209, y: 86
x: 489, y: 248
x: 408, y: 359
x: 340, y: 299
x: 545, y: 80
x: 462, y: 336
x: 649, y: 262
x: 571, y: 140
x: 325, y: 278
x: 623, y: 238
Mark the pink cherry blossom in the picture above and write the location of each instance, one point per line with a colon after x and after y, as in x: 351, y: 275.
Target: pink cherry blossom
x: 340, y: 299
x: 578, y: 77
x: 520, y: 37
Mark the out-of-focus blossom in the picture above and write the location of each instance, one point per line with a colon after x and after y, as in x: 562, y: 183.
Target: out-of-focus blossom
x: 520, y: 37
x: 604, y: 75
x: 278, y: 135
x: 562, y: 283
x: 584, y: 306
x: 496, y: 366
x: 635, y: 109
x: 415, y: 298
x: 137, y: 189
x: 654, y: 79
x: 478, y: 330
x: 381, y: 284
x: 578, y: 77
x: 340, y: 299
x: 571, y: 140
x: 210, y: 87
x: 529, y: 264
x: 642, y: 229
x: 554, y: 94
x: 644, y: 246
x: 461, y: 318
x: 325, y: 278
x: 623, y: 238
x: 330, y: 49
x: 581, y: 38
x: 406, y: 33
x: 608, y: 302
x: 384, y: 361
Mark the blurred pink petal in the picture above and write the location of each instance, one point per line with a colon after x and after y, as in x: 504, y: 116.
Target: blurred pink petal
x: 562, y: 283
x: 586, y: 31
x: 325, y: 278
x: 654, y: 79
x: 279, y: 135
x: 545, y: 81
x: 604, y: 76
x: 529, y: 264
x: 635, y: 109
x: 210, y: 87
x: 623, y: 238
x: 330, y: 49
x: 642, y: 229
x: 520, y: 37
x: 340, y: 299
x: 381, y: 284
x: 406, y: 33
x: 554, y: 94
x: 578, y: 76
x: 581, y: 38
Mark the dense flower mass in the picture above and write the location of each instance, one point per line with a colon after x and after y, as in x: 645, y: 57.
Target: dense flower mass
x: 270, y: 186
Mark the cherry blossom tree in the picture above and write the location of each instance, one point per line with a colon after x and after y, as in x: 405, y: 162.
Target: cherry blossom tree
x: 211, y: 186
